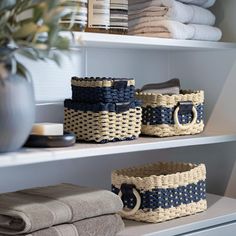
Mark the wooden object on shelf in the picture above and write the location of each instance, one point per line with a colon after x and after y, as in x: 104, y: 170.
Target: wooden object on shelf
x: 98, y: 16
x: 51, y: 141
x: 80, y: 14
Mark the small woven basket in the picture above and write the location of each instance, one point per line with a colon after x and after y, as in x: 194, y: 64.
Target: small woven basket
x: 103, y: 122
x: 171, y: 115
x: 162, y: 191
x: 105, y: 90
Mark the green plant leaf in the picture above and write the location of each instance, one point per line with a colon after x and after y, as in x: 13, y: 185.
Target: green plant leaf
x: 61, y: 43
x: 33, y: 36
x: 23, y: 71
x: 56, y: 57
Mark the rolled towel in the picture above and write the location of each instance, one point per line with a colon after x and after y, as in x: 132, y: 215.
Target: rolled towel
x: 202, y: 3
x: 34, y: 209
x: 176, y: 30
x: 106, y: 225
x: 205, y: 32
x: 174, y: 10
x: 169, y: 87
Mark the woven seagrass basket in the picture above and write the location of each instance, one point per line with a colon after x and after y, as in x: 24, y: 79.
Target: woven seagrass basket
x: 162, y: 191
x: 106, y: 90
x: 103, y: 122
x: 170, y: 115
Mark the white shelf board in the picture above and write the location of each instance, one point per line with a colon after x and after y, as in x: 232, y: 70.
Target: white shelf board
x: 221, y: 210
x: 81, y: 150
x: 84, y: 39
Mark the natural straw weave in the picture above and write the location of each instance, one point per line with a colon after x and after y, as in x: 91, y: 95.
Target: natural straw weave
x: 103, y: 126
x: 178, y: 179
x: 154, y: 100
x: 151, y: 101
x: 98, y: 82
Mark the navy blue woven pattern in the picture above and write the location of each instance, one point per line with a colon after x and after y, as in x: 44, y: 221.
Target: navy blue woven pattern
x: 117, y: 93
x: 105, y: 94
x: 166, y: 198
x: 164, y: 115
x: 98, y: 107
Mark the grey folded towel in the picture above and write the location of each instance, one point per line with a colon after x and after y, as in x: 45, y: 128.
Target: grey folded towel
x: 30, y: 210
x: 106, y: 225
x: 169, y: 87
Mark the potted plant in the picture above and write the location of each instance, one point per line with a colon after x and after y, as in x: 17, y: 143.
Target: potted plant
x: 29, y: 28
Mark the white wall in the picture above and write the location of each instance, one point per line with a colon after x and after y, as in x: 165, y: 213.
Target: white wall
x: 226, y: 18
x: 52, y: 82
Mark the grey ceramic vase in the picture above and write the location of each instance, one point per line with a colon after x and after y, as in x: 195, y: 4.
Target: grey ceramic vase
x: 17, y: 112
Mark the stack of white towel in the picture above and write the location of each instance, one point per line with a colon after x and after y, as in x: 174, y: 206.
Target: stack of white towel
x: 178, y: 19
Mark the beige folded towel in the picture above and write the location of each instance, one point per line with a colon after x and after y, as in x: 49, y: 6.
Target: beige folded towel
x: 106, y: 225
x: 156, y: 12
x: 34, y: 209
x: 163, y: 29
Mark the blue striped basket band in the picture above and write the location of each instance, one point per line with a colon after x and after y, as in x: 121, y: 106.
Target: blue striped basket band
x: 164, y: 115
x: 103, y: 94
x: 165, y: 198
x: 98, y: 107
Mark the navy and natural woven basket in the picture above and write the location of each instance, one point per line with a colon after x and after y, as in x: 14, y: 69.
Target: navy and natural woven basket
x: 105, y: 90
x: 170, y: 115
x: 161, y: 191
x: 103, y: 122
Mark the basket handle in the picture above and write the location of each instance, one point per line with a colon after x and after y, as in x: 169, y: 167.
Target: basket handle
x: 133, y: 190
x: 186, y: 126
x: 122, y: 107
x: 120, y: 84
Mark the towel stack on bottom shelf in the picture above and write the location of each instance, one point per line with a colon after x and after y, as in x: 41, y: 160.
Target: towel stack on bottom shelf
x: 60, y: 210
x: 173, y: 19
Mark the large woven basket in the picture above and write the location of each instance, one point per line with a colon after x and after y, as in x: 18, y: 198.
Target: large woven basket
x: 105, y: 90
x: 103, y: 122
x: 170, y: 115
x: 161, y: 191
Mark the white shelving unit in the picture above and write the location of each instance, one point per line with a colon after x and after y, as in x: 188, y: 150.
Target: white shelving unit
x: 28, y: 156
x: 207, y: 65
x: 140, y: 42
x: 221, y: 211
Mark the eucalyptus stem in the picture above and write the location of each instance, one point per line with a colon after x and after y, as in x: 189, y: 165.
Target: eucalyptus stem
x: 18, y: 36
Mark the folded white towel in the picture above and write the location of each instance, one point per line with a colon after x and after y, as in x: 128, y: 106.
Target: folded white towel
x: 205, y: 32
x: 176, y: 30
x: 202, y: 3
x: 174, y: 10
